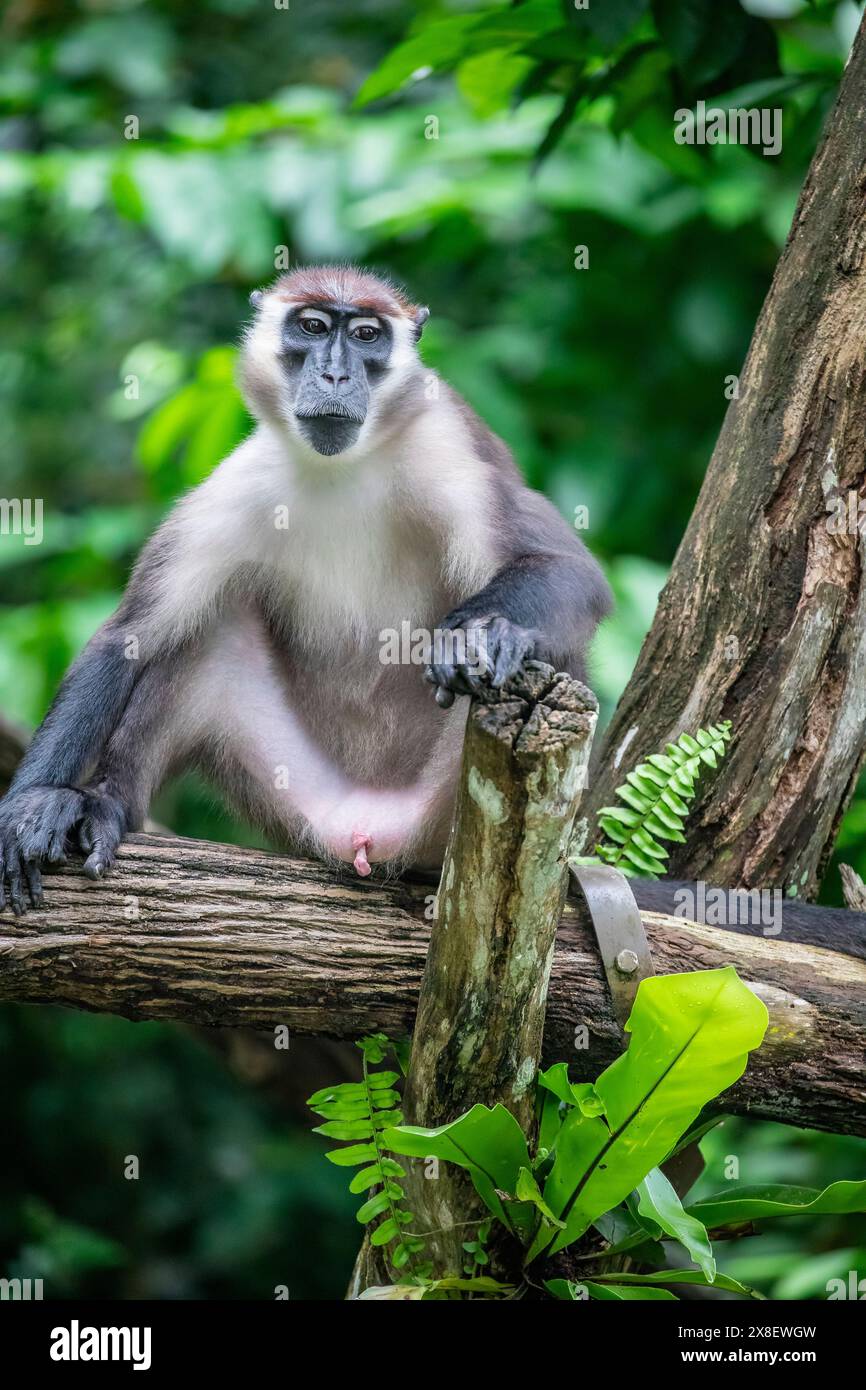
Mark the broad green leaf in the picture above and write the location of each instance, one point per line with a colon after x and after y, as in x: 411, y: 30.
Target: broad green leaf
x: 487, y: 80
x: 527, y: 1190
x: 436, y: 47
x: 682, y: 1276
x: 691, y: 1035
x: 562, y: 1289
x: 659, y: 1203
x: 489, y: 1143
x: 760, y: 1202
x: 550, y: 1121
x: 581, y: 1093
x: 695, y: 1134
x: 627, y: 1292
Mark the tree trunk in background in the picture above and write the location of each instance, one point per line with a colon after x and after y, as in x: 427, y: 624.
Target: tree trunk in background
x: 763, y: 619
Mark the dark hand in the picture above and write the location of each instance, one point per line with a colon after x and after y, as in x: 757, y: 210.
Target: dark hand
x: 42, y: 825
x: 35, y: 826
x: 485, y: 652
x: 103, y: 826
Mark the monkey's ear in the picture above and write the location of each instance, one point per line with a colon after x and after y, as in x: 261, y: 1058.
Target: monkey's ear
x: 421, y: 317
x: 256, y: 298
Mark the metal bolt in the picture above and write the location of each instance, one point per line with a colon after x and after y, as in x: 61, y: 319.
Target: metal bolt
x: 627, y: 962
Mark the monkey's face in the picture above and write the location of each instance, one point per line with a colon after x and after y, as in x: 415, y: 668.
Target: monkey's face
x: 334, y: 357
x: 331, y: 358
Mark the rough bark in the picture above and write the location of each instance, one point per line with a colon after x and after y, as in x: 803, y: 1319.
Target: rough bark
x: 234, y: 937
x: 763, y: 619
x: 853, y: 888
x: 478, y: 1033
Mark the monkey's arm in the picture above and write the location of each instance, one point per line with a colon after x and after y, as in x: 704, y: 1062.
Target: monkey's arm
x: 545, y: 602
x: 44, y: 801
x: 171, y: 593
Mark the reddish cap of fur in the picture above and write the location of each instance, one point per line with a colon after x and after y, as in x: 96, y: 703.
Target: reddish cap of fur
x: 345, y: 284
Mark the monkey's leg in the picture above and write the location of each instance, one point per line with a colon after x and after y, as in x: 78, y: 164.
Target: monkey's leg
x: 267, y: 761
x: 541, y: 606
x: 153, y: 733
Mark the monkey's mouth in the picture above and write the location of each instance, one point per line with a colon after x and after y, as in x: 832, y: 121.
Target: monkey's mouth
x: 331, y: 432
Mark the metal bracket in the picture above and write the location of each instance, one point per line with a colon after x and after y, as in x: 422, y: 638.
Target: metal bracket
x: 616, y: 920
x: 626, y: 957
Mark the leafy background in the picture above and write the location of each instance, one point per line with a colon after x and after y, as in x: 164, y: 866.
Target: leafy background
x: 307, y: 128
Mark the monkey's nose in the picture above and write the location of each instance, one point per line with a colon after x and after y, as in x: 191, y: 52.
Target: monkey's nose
x: 333, y: 381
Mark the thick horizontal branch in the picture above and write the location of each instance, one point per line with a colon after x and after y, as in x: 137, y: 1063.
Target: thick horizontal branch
x: 212, y: 934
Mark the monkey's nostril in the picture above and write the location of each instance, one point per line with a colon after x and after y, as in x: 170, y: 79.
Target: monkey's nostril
x: 326, y: 376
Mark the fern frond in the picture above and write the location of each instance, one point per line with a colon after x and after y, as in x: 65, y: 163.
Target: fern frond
x: 655, y: 799
x: 358, y: 1111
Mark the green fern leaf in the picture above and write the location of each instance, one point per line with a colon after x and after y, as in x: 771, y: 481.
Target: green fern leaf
x: 656, y: 794
x: 360, y: 1111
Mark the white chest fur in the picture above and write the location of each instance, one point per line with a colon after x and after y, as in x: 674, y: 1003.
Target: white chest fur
x: 355, y: 563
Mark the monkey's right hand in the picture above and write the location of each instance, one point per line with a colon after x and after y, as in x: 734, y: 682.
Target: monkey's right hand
x: 35, y: 825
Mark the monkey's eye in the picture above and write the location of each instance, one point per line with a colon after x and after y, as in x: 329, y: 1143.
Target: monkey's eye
x: 366, y: 332
x: 313, y: 326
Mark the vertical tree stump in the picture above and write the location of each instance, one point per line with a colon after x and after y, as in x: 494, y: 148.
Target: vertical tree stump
x: 477, y: 1035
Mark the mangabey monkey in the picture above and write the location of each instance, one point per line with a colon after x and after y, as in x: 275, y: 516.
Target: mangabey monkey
x: 248, y: 641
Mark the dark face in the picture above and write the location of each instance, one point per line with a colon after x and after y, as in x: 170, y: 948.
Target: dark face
x: 334, y: 356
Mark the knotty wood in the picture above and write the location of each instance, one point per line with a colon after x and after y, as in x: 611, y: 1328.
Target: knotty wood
x: 234, y: 937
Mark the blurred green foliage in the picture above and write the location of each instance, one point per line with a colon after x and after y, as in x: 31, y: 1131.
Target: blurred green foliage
x: 157, y: 161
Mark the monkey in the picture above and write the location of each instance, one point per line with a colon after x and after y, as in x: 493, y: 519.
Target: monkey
x: 248, y: 642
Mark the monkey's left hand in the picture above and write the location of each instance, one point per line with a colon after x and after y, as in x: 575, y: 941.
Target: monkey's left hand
x: 492, y: 650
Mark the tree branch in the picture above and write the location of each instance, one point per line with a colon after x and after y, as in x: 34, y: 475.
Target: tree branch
x: 217, y: 935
